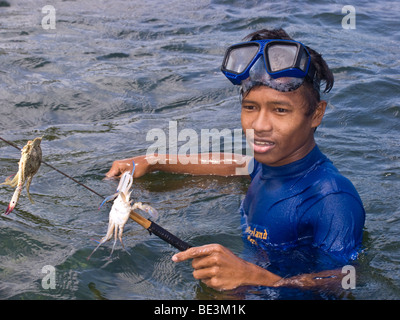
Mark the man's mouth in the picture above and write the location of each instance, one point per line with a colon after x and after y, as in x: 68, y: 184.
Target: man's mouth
x: 262, y: 146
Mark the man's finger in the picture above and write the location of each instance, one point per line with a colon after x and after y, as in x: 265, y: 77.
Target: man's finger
x: 192, y: 253
x: 204, y: 274
x: 114, y: 171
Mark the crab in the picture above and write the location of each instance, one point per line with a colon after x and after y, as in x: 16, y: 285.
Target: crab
x: 120, y: 210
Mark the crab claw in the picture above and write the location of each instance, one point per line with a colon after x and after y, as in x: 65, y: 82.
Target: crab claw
x: 151, y: 211
x: 109, y: 198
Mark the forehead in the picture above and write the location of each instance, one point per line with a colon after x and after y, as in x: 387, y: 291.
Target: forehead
x: 264, y: 94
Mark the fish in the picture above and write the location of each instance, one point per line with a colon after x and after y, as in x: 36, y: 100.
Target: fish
x: 28, y: 166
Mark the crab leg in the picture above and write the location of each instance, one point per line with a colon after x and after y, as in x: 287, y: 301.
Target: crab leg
x: 104, y: 239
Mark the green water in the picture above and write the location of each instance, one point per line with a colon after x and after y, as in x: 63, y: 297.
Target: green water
x: 111, y: 71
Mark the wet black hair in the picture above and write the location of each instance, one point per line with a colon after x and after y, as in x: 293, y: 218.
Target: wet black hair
x: 323, y: 73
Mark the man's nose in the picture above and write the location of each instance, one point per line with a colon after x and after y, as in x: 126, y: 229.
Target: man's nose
x: 263, y: 122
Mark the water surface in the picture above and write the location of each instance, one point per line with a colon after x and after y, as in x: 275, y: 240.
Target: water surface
x: 113, y: 70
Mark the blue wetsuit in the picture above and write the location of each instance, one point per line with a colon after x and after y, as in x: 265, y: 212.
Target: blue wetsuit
x: 305, y: 202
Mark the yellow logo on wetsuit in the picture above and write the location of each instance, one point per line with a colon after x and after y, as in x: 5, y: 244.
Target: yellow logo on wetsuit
x: 254, y: 234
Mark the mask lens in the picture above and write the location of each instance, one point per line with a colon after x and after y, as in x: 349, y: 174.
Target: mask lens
x: 281, y: 57
x: 238, y: 58
x: 303, y: 61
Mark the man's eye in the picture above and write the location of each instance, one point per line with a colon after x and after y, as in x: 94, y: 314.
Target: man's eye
x: 248, y: 107
x: 281, y: 110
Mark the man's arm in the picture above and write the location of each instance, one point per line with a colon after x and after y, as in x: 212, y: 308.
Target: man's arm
x: 202, y: 164
x: 338, y: 229
x: 220, y: 269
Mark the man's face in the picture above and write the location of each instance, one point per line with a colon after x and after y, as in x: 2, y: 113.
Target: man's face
x: 283, y: 133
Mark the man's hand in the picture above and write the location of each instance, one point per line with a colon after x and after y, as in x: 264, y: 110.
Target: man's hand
x: 220, y: 269
x: 120, y: 166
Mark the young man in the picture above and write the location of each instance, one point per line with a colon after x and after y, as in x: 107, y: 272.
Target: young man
x: 296, y: 196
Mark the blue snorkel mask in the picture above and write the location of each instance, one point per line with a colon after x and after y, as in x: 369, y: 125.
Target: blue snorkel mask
x: 282, y: 65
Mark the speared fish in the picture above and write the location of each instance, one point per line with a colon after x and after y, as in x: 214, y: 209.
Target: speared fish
x: 28, y: 166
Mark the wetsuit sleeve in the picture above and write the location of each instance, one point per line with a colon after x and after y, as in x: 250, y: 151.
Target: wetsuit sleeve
x: 338, y: 225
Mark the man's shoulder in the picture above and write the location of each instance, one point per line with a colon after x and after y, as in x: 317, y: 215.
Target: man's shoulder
x: 328, y: 177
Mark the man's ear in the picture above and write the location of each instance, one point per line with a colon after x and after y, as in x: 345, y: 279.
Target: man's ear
x: 318, y: 114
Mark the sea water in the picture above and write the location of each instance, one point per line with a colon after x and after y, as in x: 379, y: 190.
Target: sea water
x: 94, y: 77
